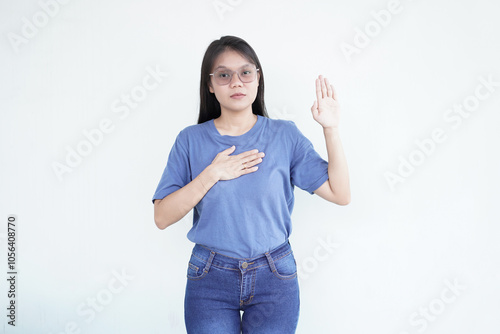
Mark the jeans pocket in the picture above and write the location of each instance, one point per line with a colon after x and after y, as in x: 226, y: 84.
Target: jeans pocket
x: 196, y: 268
x: 286, y: 267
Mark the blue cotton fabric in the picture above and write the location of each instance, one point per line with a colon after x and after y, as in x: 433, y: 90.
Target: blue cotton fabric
x: 250, y: 215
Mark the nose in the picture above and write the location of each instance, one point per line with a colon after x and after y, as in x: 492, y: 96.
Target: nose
x: 235, y: 80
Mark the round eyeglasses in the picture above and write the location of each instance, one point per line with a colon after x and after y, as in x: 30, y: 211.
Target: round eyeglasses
x: 224, y: 76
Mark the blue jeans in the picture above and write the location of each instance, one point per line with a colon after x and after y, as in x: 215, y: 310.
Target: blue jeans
x: 265, y: 288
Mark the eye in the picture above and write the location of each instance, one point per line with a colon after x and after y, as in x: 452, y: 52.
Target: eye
x: 223, y: 75
x: 246, y: 72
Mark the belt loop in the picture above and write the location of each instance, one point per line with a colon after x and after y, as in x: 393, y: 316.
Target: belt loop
x: 209, y: 261
x: 271, y: 262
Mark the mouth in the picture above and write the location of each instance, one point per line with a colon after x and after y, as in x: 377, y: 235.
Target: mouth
x: 238, y: 95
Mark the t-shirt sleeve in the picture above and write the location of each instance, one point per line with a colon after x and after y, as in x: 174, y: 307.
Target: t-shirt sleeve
x: 177, y: 172
x: 308, y: 170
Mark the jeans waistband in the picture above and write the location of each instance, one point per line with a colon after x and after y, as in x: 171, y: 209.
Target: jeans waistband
x: 227, y: 262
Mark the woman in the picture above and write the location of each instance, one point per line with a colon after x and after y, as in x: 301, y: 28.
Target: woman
x: 237, y: 168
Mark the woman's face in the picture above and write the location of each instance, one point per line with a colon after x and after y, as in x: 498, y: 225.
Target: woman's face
x: 225, y: 94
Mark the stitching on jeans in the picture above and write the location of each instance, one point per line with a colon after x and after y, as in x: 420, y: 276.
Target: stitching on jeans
x: 199, y: 258
x: 196, y: 278
x: 252, y: 293
x: 284, y: 277
x: 195, y: 268
x: 236, y: 258
x: 214, y: 265
x: 220, y: 267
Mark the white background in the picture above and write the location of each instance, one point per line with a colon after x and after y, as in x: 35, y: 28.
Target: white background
x: 392, y: 249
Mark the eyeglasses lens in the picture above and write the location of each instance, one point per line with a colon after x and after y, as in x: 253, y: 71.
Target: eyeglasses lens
x: 246, y: 74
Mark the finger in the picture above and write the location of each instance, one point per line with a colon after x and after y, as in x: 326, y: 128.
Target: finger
x: 228, y: 151
x: 248, y: 160
x: 249, y: 170
x: 329, y: 90
x: 334, y: 93
x: 246, y: 154
x: 319, y: 95
x: 323, y: 86
x: 252, y: 163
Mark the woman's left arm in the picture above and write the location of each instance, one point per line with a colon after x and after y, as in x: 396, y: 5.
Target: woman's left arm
x: 326, y: 111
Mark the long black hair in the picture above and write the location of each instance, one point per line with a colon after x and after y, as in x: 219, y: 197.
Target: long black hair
x: 209, y: 106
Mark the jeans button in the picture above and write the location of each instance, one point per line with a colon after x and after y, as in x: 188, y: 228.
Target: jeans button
x: 244, y: 265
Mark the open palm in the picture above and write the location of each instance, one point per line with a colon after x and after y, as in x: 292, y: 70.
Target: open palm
x: 326, y: 109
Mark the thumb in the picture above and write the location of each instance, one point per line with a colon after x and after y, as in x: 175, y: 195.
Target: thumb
x: 229, y: 150
x: 314, y: 109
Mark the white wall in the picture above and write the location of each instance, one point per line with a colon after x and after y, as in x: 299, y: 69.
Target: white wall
x: 393, y: 252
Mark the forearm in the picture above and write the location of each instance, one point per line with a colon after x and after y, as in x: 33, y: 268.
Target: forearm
x: 175, y: 206
x: 338, y: 173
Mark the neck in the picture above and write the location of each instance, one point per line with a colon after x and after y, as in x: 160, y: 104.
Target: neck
x: 235, y: 124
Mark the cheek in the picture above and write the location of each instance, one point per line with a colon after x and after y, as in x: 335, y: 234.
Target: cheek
x: 218, y: 94
x: 255, y: 90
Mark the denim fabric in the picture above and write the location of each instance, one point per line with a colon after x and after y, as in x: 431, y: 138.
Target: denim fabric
x: 265, y: 288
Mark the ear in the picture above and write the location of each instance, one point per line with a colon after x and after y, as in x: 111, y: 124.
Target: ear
x: 210, y: 88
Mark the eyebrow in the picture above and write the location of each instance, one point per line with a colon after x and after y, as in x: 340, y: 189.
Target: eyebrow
x: 222, y: 66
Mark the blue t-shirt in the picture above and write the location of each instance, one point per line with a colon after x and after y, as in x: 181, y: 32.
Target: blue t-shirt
x: 250, y: 215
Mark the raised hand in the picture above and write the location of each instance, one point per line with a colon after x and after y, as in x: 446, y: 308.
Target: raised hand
x: 326, y: 109
x: 228, y: 167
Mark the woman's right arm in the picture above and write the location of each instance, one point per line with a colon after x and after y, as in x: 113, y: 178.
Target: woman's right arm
x: 175, y: 206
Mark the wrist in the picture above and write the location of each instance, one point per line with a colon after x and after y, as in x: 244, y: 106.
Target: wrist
x: 331, y: 129
x: 210, y: 174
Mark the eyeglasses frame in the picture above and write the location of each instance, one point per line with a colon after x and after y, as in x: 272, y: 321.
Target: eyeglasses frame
x: 232, y: 73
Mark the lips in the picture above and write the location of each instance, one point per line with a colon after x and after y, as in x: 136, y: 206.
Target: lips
x: 237, y: 94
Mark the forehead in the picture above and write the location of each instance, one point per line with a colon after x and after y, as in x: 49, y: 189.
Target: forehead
x: 230, y: 59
